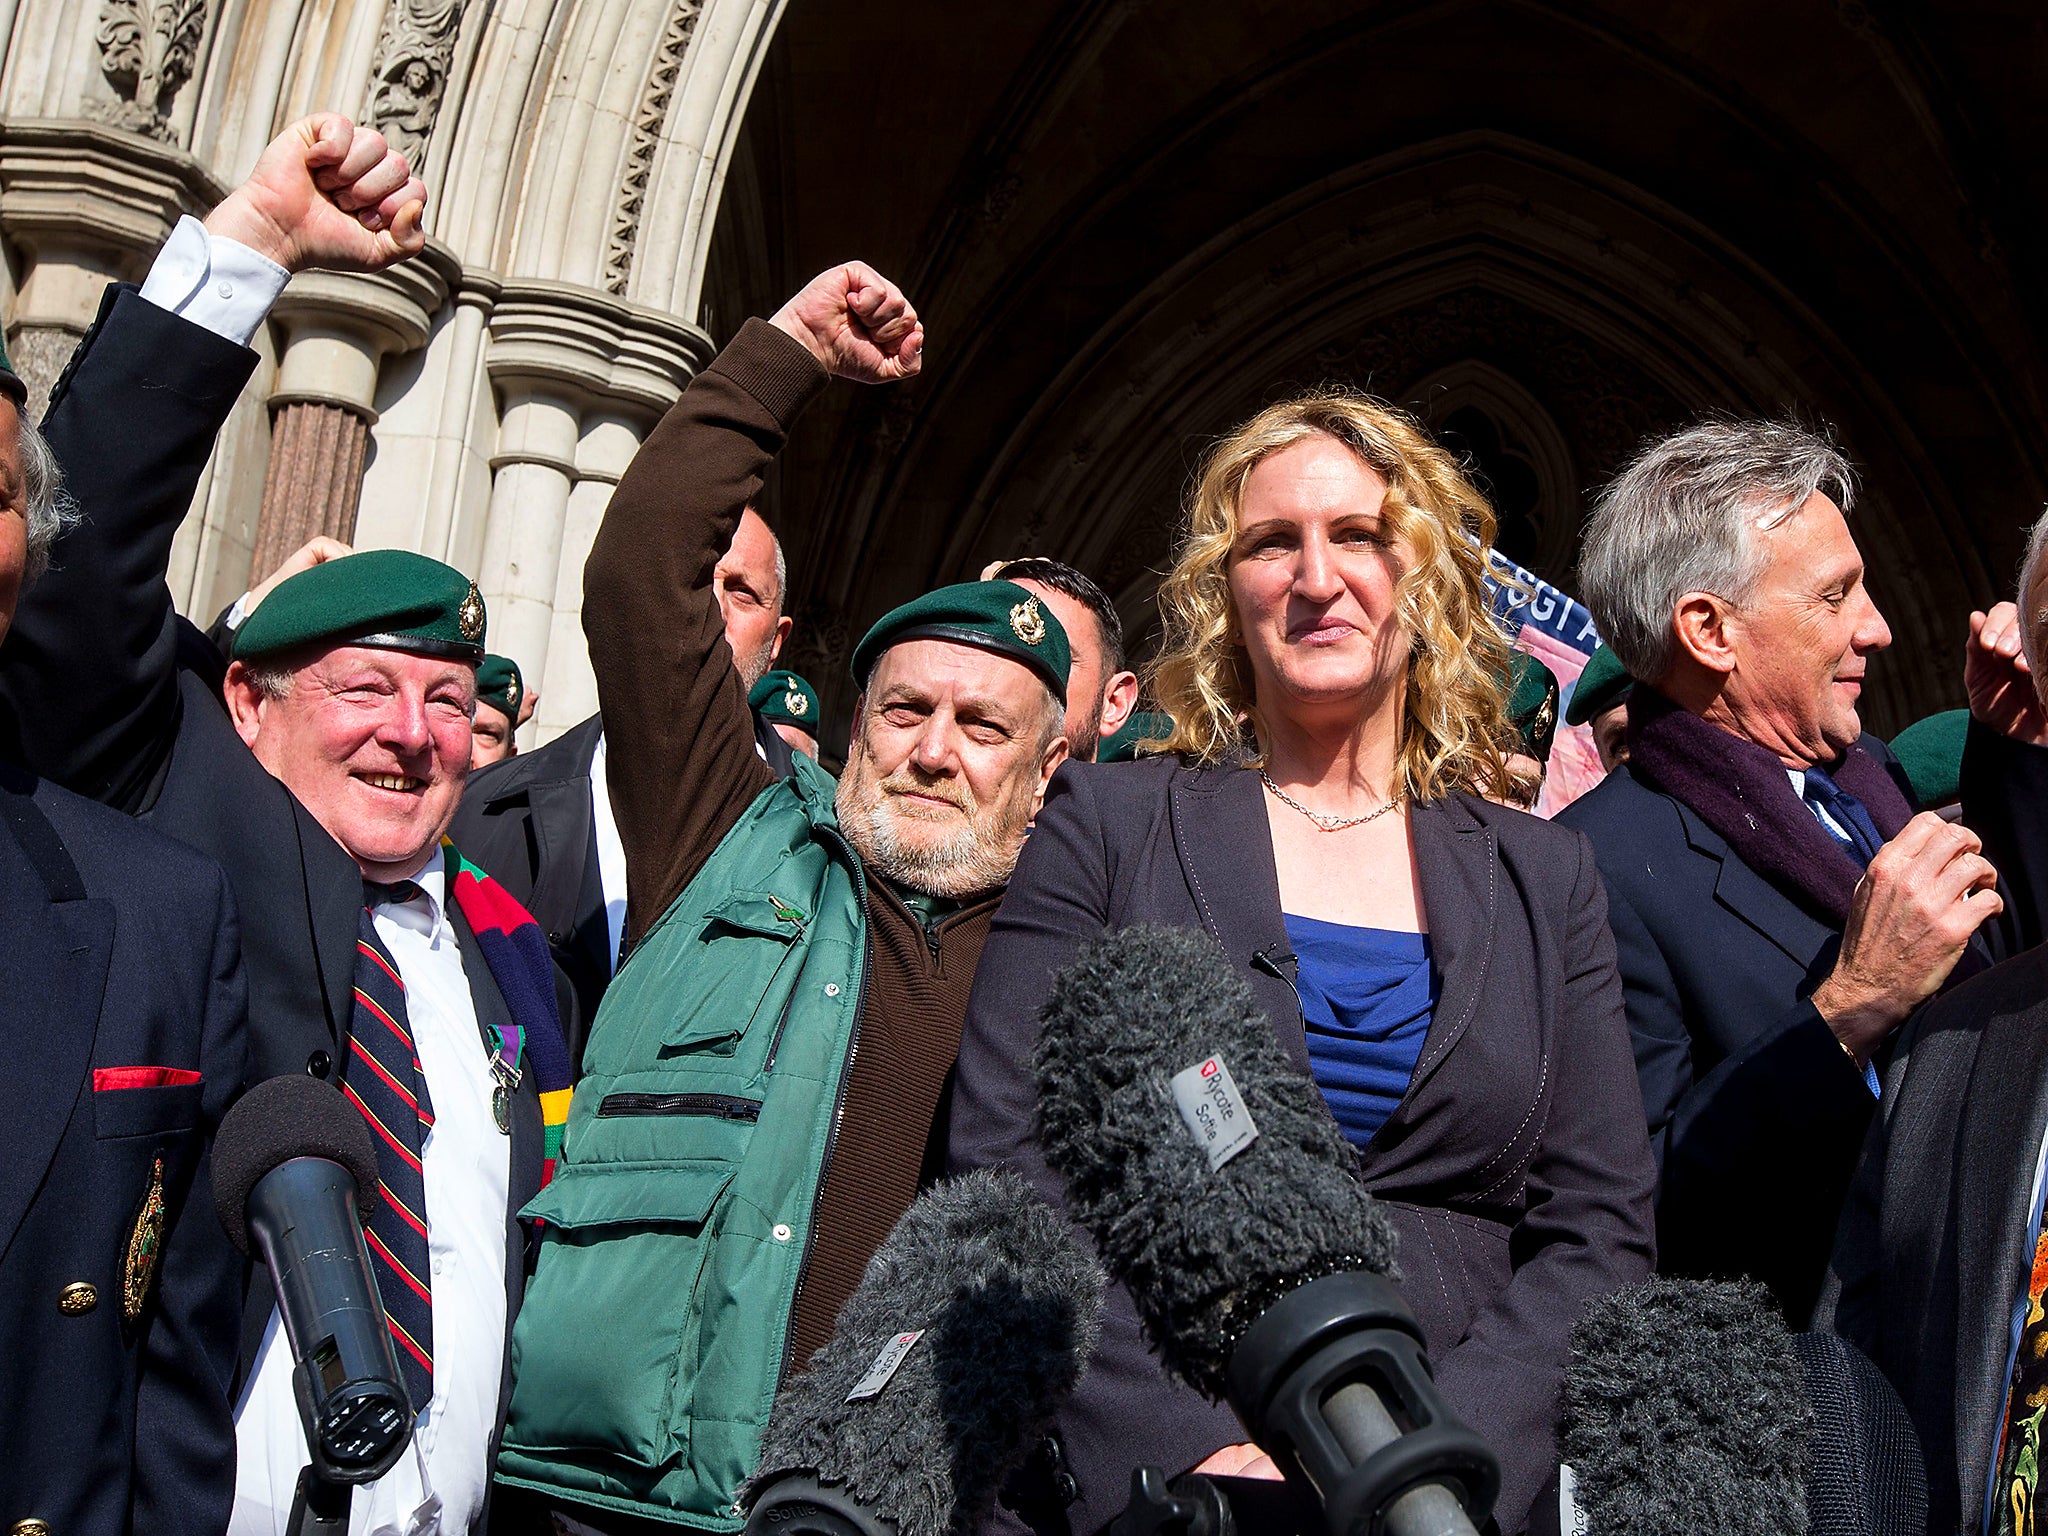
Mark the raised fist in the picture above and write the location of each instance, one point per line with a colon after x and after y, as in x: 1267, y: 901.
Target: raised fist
x: 327, y: 193
x: 857, y: 324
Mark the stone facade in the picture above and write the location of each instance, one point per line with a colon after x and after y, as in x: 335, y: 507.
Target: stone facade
x: 477, y: 404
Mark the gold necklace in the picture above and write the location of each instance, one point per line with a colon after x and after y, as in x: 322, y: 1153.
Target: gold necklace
x: 1325, y: 822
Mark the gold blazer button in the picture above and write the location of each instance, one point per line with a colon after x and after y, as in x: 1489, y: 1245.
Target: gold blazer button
x: 75, y: 1300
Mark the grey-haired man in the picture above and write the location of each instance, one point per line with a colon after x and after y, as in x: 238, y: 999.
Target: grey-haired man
x: 1778, y: 906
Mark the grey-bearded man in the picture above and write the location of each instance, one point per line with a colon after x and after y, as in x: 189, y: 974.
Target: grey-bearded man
x: 763, y: 1092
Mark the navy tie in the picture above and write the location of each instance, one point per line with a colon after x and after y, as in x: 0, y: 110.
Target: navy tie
x: 1848, y: 814
x: 383, y: 1079
x: 1861, y: 845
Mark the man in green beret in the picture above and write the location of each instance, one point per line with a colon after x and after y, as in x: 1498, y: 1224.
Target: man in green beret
x: 503, y: 704
x: 1532, y: 714
x: 1600, y: 700
x: 789, y: 705
x: 763, y: 1090
x: 1104, y: 689
x: 377, y: 960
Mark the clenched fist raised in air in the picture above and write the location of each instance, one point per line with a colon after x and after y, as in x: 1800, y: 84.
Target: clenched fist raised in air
x: 857, y: 324
x: 327, y: 193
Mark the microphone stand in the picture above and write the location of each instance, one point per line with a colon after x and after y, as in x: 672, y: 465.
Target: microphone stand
x: 320, y: 1506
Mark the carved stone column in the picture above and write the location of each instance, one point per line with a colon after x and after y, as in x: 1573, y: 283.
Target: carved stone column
x: 338, y: 328
x: 316, y: 469
x: 580, y: 378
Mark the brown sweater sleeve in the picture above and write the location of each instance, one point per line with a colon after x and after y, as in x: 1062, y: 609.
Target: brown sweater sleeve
x: 679, y: 738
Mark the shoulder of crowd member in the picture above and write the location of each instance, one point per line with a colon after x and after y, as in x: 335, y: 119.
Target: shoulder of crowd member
x: 772, y: 366
x: 1616, y: 800
x: 557, y: 760
x: 2018, y: 985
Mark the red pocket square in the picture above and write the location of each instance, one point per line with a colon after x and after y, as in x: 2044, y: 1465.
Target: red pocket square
x: 105, y: 1079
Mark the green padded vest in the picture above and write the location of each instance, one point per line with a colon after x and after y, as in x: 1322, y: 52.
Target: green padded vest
x: 653, y: 1332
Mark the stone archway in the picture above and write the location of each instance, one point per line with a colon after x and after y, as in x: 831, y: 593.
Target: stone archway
x: 1519, y: 457
x: 1126, y: 236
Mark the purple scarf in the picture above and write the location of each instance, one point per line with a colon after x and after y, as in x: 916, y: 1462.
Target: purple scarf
x: 1740, y: 790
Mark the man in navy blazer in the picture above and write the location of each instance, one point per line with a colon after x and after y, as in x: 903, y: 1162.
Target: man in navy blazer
x: 122, y: 1010
x: 1777, y: 906
x: 114, y: 695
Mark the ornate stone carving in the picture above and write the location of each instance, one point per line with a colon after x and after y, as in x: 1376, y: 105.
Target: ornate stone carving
x: 147, y: 48
x: 645, y: 137
x: 415, y: 47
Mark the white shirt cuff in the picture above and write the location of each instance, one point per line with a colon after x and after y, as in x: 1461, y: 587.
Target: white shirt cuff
x: 212, y: 281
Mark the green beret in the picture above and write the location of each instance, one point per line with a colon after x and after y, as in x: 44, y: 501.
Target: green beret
x: 1532, y: 703
x: 1121, y: 745
x: 997, y: 616
x: 1604, y: 683
x: 390, y: 599
x: 499, y: 684
x: 783, y: 698
x: 1931, y: 752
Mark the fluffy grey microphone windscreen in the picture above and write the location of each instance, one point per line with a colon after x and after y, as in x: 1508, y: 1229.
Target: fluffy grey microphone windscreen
x: 1685, y: 1409
x: 1009, y: 1305
x: 1203, y: 1252
x: 279, y: 1119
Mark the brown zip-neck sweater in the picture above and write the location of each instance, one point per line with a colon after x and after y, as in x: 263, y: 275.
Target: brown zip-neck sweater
x: 681, y: 767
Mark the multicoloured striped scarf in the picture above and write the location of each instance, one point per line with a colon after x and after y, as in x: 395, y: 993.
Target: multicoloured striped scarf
x: 517, y: 953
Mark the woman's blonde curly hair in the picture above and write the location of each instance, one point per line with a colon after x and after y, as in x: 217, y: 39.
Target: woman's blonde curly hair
x: 1455, y: 708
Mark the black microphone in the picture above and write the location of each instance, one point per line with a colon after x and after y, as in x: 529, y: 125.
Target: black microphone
x: 1221, y: 1193
x: 294, y: 1179
x: 1688, y: 1406
x: 973, y: 1319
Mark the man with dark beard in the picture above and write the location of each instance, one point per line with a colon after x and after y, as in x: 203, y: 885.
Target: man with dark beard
x: 764, y: 1090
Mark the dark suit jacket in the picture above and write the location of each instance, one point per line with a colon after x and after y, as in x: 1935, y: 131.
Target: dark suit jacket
x: 1755, y: 1111
x: 110, y: 692
x: 1932, y: 1251
x: 1515, y: 1170
x: 528, y: 821
x: 121, y: 953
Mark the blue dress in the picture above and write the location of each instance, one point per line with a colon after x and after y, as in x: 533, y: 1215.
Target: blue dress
x: 1367, y: 995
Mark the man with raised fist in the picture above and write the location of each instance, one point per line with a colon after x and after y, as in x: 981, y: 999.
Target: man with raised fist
x: 377, y: 958
x: 763, y: 1090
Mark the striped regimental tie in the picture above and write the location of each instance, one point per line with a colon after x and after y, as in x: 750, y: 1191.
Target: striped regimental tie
x: 382, y: 1078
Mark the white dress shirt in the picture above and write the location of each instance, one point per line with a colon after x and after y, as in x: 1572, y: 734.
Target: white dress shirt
x: 215, y: 282
x: 611, y: 855
x: 438, y: 1487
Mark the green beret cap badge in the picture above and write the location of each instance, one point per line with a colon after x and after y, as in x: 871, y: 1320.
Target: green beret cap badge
x: 470, y: 616
x: 499, y: 684
x: 783, y: 698
x: 1027, y: 622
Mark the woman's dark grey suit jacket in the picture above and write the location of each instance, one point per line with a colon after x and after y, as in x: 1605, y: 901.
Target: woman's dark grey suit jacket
x: 1517, y: 1169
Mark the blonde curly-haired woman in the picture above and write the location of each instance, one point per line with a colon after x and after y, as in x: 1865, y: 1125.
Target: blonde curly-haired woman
x: 1440, y: 966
